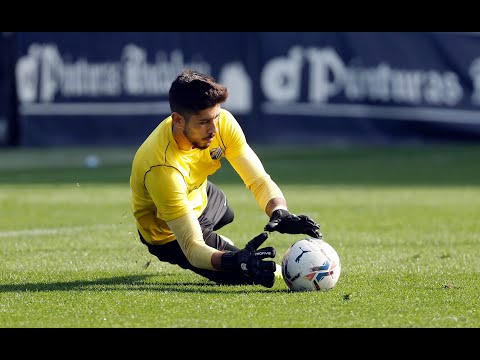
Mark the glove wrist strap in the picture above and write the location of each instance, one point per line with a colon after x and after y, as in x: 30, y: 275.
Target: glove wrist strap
x: 227, y: 261
x: 279, y: 213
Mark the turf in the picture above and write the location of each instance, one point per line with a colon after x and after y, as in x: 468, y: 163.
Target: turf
x: 404, y: 221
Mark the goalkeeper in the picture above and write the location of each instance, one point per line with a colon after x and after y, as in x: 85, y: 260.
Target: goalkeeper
x: 178, y: 211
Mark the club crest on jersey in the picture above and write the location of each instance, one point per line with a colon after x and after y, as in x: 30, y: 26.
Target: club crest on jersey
x: 216, y: 153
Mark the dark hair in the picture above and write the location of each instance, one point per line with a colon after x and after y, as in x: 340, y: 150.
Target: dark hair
x: 192, y: 92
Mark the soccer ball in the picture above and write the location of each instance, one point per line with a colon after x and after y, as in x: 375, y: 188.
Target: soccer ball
x: 310, y: 265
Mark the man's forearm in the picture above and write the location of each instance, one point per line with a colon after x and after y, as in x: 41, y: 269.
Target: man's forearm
x: 189, y: 236
x: 217, y: 260
x: 274, y: 204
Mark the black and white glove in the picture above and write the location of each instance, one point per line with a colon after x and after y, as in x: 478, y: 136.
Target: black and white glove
x: 286, y: 223
x: 250, y: 261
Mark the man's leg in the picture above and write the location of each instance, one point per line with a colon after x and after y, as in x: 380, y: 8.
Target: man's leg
x: 216, y: 215
x: 173, y: 254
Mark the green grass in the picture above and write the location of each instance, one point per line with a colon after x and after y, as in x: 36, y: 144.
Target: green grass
x: 403, y: 220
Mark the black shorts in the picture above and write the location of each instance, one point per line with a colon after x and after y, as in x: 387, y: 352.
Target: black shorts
x: 216, y: 215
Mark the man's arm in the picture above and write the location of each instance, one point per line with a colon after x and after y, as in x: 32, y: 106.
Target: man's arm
x: 189, y: 235
x: 274, y: 204
x: 217, y: 260
x: 248, y: 260
x: 258, y: 181
x: 270, y: 197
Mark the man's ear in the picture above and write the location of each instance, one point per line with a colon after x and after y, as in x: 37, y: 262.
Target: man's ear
x: 178, y: 120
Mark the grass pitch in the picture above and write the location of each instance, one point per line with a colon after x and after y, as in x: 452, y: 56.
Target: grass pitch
x: 404, y: 222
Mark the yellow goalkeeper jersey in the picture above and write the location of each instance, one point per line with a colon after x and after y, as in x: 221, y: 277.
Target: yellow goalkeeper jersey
x: 167, y: 182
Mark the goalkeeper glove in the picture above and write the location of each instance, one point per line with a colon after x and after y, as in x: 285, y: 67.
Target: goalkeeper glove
x: 249, y: 261
x: 286, y: 223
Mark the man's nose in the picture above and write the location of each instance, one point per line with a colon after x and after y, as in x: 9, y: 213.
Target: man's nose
x: 213, y: 128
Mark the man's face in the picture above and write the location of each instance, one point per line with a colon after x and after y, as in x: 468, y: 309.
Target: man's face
x: 201, y: 128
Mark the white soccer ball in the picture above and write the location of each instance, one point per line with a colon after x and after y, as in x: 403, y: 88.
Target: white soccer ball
x: 310, y: 265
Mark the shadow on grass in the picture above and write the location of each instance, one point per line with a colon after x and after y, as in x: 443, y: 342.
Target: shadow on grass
x: 132, y: 283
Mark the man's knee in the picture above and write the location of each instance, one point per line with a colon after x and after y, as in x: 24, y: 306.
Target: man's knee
x: 226, y: 219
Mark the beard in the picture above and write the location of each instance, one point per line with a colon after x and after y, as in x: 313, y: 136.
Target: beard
x: 197, y: 144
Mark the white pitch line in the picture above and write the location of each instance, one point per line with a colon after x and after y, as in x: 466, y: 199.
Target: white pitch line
x: 54, y: 231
